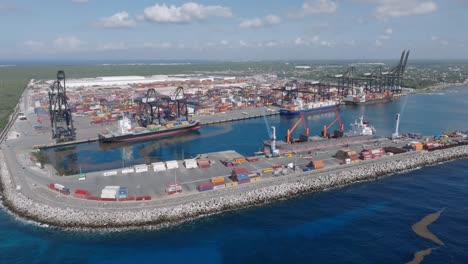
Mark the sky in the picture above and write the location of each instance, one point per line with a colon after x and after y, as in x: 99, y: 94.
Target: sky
x: 232, y: 30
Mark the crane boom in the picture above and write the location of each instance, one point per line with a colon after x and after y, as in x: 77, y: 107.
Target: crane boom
x: 291, y: 130
x: 337, y: 119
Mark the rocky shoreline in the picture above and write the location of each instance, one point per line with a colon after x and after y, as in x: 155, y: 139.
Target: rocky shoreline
x: 259, y: 193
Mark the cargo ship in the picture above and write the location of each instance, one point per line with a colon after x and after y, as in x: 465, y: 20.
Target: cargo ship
x: 298, y: 106
x: 369, y: 98
x: 360, y: 132
x: 126, y: 133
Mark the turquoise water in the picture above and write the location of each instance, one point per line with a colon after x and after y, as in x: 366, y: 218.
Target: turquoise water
x: 364, y: 223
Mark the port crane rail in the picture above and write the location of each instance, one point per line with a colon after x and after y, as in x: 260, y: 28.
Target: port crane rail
x: 61, y: 121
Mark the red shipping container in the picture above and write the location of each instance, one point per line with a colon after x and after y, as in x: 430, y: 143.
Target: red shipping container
x: 252, y: 159
x: 240, y: 171
x: 204, y: 186
x: 81, y: 192
x: 127, y: 199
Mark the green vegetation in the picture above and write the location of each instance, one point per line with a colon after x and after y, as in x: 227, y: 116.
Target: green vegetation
x: 419, y: 75
x: 41, y: 157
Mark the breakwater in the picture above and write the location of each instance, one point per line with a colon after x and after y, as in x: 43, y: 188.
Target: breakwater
x: 186, y: 208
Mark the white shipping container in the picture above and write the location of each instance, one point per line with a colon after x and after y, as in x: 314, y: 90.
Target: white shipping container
x: 141, y: 168
x: 128, y: 170
x: 190, y: 163
x: 216, y: 187
x: 159, y: 166
x: 108, y: 196
x: 59, y: 186
x: 109, y: 173
x: 172, y: 164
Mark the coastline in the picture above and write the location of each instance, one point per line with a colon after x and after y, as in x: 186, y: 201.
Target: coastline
x: 440, y: 86
x: 105, y: 220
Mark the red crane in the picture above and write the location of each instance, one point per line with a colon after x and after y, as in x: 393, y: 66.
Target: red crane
x: 337, y: 118
x: 291, y: 130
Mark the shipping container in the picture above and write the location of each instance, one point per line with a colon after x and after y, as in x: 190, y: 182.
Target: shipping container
x: 318, y: 164
x: 205, y: 186
x: 244, y: 181
x: 82, y: 192
x: 231, y: 184
x: 217, y: 187
x: 217, y: 180
x: 240, y: 160
x: 255, y: 179
x: 252, y: 159
x: 190, y: 163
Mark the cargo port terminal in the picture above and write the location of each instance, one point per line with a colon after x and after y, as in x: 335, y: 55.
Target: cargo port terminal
x: 156, y: 191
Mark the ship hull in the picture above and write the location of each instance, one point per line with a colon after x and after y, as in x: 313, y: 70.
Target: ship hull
x: 149, y: 135
x: 309, y: 111
x: 370, y: 101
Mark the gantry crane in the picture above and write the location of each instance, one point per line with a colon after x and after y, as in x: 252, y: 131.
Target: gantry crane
x: 291, y: 130
x: 61, y: 121
x: 337, y: 119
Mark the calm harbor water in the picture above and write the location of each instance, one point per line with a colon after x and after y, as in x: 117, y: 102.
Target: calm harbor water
x: 424, y: 113
x: 364, y: 223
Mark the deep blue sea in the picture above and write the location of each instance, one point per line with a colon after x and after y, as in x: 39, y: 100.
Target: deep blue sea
x: 367, y: 222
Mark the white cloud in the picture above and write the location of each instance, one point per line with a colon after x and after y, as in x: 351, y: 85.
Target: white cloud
x: 271, y: 44
x: 440, y: 40
x: 327, y: 43
x: 68, y: 43
x: 33, y: 44
x: 243, y: 43
x: 315, y: 7
x: 350, y: 42
x: 117, y: 20
x: 300, y: 41
x: 378, y: 43
x: 160, y: 45
x: 185, y: 13
x: 259, y: 22
x: 80, y: 1
x: 224, y: 42
x: 387, y: 33
x: 112, y: 46
x: 398, y: 8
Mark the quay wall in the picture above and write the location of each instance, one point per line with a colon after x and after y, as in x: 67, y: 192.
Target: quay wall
x: 186, y: 208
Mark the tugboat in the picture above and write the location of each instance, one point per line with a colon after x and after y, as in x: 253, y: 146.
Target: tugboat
x: 361, y: 128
